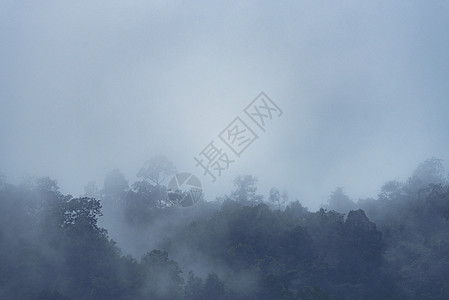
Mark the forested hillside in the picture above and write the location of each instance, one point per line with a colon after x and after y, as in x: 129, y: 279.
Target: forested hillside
x: 240, y: 246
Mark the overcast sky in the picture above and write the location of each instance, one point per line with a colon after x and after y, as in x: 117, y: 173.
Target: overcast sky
x: 88, y: 86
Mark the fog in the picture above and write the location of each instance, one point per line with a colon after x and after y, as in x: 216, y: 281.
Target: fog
x: 357, y: 141
x: 87, y: 87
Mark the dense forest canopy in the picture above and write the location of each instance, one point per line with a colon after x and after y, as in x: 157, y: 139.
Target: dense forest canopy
x: 224, y: 150
x: 126, y: 241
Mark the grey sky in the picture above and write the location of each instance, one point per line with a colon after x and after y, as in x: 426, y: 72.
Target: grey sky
x: 90, y: 86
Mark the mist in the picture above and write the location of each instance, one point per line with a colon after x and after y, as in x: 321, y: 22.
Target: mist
x: 88, y: 87
x: 91, y: 92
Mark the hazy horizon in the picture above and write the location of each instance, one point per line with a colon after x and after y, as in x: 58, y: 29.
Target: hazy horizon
x: 89, y: 87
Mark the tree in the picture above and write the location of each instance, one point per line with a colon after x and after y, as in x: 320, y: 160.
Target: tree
x: 43, y: 184
x: 277, y: 198
x: 194, y: 288
x: 162, y: 276
x: 82, y: 212
x: 363, y: 235
x: 157, y: 169
x: 245, y: 190
x: 340, y: 202
x: 92, y: 190
x: 214, y: 288
x: 115, y: 183
x: 438, y: 201
x: 430, y: 171
x: 141, y: 201
x: 296, y: 209
x: 362, y: 248
x: 390, y: 190
x: 272, y: 287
